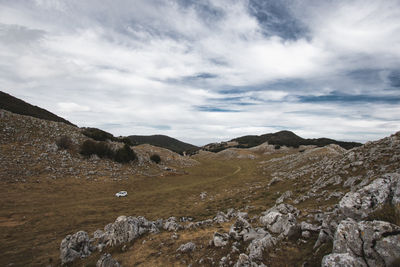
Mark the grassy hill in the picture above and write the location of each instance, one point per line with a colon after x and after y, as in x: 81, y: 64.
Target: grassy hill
x: 18, y: 106
x: 287, y: 138
x: 165, y: 142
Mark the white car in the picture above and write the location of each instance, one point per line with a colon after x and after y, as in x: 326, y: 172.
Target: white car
x: 121, y: 194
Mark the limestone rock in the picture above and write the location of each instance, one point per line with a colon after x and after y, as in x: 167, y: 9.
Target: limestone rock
x: 284, y: 196
x: 359, y: 204
x: 245, y: 261
x: 107, y: 261
x: 239, y: 228
x: 187, y: 248
x: 75, y: 246
x: 126, y: 229
x: 365, y: 243
x: 172, y: 225
x: 220, y: 240
x: 340, y: 260
x: 258, y: 246
x: 280, y: 219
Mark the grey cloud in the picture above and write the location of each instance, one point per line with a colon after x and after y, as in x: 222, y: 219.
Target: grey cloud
x: 19, y: 35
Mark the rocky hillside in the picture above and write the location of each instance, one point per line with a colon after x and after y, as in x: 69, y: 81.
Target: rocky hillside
x: 259, y: 206
x: 165, y: 142
x: 282, y: 138
x: 332, y: 207
x: 18, y: 106
x: 29, y: 150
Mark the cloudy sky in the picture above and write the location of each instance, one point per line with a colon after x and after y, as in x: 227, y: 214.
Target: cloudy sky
x: 205, y: 71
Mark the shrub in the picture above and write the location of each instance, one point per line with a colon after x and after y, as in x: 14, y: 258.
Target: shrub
x: 100, y: 149
x: 126, y: 140
x: 155, y: 158
x: 64, y: 142
x: 97, y: 134
x: 277, y: 147
x: 125, y: 154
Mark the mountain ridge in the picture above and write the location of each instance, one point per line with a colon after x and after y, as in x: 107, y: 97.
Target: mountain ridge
x: 164, y: 141
x: 18, y: 106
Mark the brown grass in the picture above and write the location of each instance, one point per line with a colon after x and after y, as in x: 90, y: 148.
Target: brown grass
x: 35, y: 217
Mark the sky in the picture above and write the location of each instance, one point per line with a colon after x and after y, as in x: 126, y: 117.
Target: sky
x: 207, y: 71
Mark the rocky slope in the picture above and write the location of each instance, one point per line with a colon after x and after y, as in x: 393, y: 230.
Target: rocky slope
x: 18, y: 106
x: 342, y: 205
x: 30, y: 143
x: 308, y: 206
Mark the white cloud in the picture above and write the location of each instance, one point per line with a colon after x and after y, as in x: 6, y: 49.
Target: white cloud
x: 130, y: 66
x: 71, y: 107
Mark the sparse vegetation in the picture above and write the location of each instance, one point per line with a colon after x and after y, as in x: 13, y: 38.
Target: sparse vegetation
x: 97, y: 134
x: 125, y: 154
x: 155, y: 158
x: 101, y: 149
x: 165, y: 142
x: 64, y: 142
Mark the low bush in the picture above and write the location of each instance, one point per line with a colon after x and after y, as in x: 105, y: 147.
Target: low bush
x: 125, y: 154
x: 100, y: 149
x: 97, y: 134
x: 277, y: 147
x: 155, y: 158
x: 125, y: 140
x: 64, y: 142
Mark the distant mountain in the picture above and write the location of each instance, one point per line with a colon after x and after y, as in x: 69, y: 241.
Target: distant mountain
x: 18, y: 106
x: 282, y: 138
x: 165, y: 142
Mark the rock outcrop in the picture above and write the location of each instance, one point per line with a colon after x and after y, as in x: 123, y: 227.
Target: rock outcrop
x: 359, y: 204
x: 106, y: 260
x: 365, y: 243
x: 280, y: 219
x: 75, y: 246
x: 126, y: 229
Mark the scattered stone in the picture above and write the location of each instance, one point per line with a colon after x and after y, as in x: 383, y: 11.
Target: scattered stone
x: 75, y: 246
x: 126, y: 229
x: 187, y: 248
x: 365, y: 243
x: 258, y: 246
x: 172, y: 225
x: 220, y: 240
x: 306, y: 234
x: 107, y: 261
x: 359, y: 204
x: 280, y: 219
x: 203, y: 195
x: 283, y: 197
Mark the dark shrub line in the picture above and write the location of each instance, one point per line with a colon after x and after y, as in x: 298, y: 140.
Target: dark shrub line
x: 103, y: 150
x: 155, y: 158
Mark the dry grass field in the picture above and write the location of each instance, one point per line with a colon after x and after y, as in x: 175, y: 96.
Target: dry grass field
x: 35, y: 217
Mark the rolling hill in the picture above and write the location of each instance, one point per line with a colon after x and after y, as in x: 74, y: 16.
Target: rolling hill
x: 164, y: 142
x: 18, y: 106
x: 282, y: 138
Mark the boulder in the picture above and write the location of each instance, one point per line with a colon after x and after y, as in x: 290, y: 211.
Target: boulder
x: 239, y: 228
x: 171, y: 224
x: 220, y: 240
x: 365, y: 243
x: 245, y: 261
x: 107, y: 261
x: 280, y: 219
x: 75, y: 246
x: 126, y: 229
x: 283, y: 197
x: 221, y: 217
x: 358, y: 205
x: 342, y: 259
x: 187, y: 248
x: 258, y: 246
